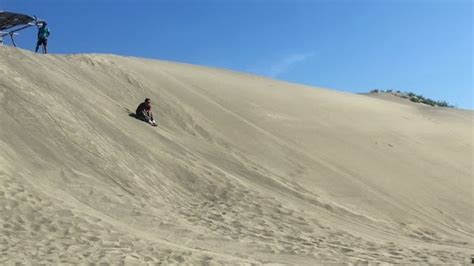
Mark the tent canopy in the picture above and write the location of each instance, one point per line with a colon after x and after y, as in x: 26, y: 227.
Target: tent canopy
x: 9, y: 20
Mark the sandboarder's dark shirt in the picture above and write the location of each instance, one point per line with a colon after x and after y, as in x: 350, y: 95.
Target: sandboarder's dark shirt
x: 141, y: 109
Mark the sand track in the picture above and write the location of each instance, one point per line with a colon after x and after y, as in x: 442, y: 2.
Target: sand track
x: 240, y: 170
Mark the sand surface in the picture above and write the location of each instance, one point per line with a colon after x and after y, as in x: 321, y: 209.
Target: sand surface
x: 241, y: 169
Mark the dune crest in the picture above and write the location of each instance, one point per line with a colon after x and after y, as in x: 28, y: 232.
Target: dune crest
x: 241, y: 169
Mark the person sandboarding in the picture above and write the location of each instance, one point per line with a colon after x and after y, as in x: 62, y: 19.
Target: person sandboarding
x: 144, y: 113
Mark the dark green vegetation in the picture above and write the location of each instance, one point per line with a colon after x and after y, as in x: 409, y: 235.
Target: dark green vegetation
x: 415, y: 98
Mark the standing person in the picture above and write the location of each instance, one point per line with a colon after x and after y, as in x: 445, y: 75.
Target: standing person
x: 43, y: 34
x: 144, y: 113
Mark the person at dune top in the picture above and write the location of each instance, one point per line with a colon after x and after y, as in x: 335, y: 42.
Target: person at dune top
x: 144, y: 113
x: 43, y: 34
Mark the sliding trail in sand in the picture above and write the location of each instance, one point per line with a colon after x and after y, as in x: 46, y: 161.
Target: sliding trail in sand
x: 240, y: 169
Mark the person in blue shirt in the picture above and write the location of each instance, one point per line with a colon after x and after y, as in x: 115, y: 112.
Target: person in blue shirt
x: 43, y: 34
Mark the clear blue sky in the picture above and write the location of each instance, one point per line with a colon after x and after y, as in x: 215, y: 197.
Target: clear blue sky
x: 424, y: 46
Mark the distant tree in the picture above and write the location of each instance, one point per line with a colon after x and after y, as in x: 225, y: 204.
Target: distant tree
x: 416, y: 98
x: 428, y: 102
x: 443, y: 104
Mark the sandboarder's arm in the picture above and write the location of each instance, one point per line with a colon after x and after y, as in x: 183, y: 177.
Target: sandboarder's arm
x: 145, y: 115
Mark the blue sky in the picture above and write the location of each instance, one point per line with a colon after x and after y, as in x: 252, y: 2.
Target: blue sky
x: 424, y: 46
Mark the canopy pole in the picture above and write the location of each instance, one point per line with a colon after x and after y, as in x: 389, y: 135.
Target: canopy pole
x: 13, y: 39
x: 21, y: 28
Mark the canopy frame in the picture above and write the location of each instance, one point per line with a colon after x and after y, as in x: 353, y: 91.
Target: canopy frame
x: 11, y: 23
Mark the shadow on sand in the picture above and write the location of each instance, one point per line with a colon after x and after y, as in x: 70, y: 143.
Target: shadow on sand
x: 132, y: 114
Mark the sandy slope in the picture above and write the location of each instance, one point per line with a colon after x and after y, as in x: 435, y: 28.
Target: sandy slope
x: 241, y: 169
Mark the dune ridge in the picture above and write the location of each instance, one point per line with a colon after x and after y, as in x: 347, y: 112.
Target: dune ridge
x: 240, y: 170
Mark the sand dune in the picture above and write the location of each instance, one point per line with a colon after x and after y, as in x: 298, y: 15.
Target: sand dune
x: 241, y: 169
